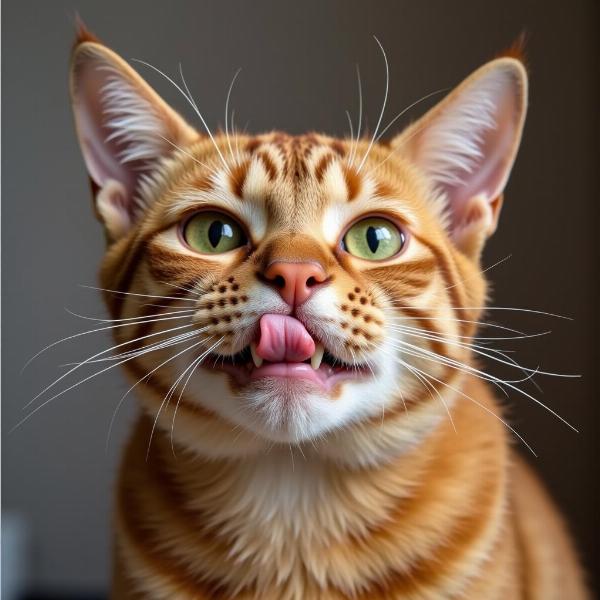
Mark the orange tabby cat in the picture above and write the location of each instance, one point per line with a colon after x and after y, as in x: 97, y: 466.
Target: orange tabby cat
x: 297, y: 316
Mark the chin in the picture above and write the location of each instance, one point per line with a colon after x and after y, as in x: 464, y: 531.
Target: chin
x: 284, y: 410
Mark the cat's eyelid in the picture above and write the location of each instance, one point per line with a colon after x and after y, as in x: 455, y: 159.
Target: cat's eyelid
x: 186, y: 203
x: 339, y: 217
x: 247, y: 213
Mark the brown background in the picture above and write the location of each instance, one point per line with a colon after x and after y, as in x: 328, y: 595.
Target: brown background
x: 298, y: 73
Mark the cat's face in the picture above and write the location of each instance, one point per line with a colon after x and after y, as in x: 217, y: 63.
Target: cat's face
x: 310, y: 290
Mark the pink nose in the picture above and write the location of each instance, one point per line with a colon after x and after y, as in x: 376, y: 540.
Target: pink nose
x: 295, y: 281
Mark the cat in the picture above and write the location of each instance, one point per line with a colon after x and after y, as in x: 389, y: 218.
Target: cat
x: 298, y: 316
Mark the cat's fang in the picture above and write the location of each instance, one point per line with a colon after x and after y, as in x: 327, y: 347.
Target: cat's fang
x: 258, y: 361
x: 317, y: 357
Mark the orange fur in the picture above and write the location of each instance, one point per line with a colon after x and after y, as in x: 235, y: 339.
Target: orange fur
x: 425, y: 501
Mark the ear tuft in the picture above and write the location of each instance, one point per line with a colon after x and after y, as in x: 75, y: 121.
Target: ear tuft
x: 82, y: 33
x: 517, y: 50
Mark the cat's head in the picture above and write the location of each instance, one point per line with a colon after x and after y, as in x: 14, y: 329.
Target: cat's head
x: 309, y: 289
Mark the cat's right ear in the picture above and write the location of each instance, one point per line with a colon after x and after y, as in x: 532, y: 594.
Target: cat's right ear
x: 124, y: 129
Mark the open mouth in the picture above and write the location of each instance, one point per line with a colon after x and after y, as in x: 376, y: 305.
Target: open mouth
x: 285, y: 350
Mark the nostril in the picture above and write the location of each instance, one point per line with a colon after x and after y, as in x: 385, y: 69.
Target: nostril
x: 294, y: 281
x: 279, y: 281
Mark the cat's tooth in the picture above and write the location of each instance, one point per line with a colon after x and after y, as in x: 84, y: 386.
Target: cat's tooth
x: 317, y: 357
x: 258, y: 361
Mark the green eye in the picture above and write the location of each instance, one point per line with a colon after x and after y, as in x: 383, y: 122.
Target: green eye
x: 213, y: 233
x: 374, y: 238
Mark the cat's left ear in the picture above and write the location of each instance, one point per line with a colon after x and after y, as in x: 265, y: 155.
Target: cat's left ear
x: 466, y: 146
x: 124, y: 128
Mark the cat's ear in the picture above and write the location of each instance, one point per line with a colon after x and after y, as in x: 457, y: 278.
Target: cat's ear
x: 124, y: 129
x: 466, y: 146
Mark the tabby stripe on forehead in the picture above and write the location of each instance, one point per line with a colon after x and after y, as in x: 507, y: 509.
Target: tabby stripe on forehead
x: 353, y: 182
x: 384, y: 190
x: 322, y: 166
x: 338, y: 148
x: 253, y: 144
x: 237, y: 178
x: 269, y: 165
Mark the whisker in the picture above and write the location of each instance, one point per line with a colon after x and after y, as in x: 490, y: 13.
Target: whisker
x: 480, y: 350
x: 43, y: 404
x: 227, y: 113
x: 183, y: 288
x: 454, y: 320
x: 385, y: 97
x: 154, y: 305
x: 178, y: 328
x: 418, y: 373
x: 186, y: 153
x: 119, y: 404
x: 237, y: 141
x: 350, y: 125
x: 91, y: 287
x: 155, y: 346
x: 404, y: 111
x: 398, y: 147
x: 169, y: 395
x: 130, y: 319
x: 483, y: 271
x: 193, y: 102
x: 360, y: 115
x: 420, y: 333
x: 197, y: 363
x: 96, y: 330
x: 521, y: 336
x: 190, y: 101
x: 498, y: 308
x: 485, y: 408
x: 449, y: 362
x: 428, y: 353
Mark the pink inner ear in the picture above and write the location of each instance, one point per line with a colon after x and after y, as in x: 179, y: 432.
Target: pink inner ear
x: 467, y: 144
x: 101, y: 156
x: 489, y: 171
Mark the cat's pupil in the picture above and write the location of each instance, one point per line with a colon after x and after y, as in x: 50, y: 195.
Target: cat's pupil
x: 215, y: 232
x: 372, y: 239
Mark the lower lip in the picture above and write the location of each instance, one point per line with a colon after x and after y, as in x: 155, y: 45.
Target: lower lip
x: 325, y: 377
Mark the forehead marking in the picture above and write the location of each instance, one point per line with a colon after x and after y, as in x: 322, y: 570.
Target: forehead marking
x: 322, y: 166
x: 258, y: 181
x: 353, y: 182
x: 269, y: 165
x: 334, y: 183
x: 238, y: 178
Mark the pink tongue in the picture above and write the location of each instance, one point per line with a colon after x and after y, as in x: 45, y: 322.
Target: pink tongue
x: 284, y: 339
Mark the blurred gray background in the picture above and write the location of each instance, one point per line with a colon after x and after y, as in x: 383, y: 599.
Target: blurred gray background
x: 297, y: 62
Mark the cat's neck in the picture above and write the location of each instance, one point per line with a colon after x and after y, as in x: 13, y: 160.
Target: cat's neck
x: 288, y: 517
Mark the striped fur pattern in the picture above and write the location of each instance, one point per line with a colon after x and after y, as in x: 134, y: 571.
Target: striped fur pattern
x: 399, y: 484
